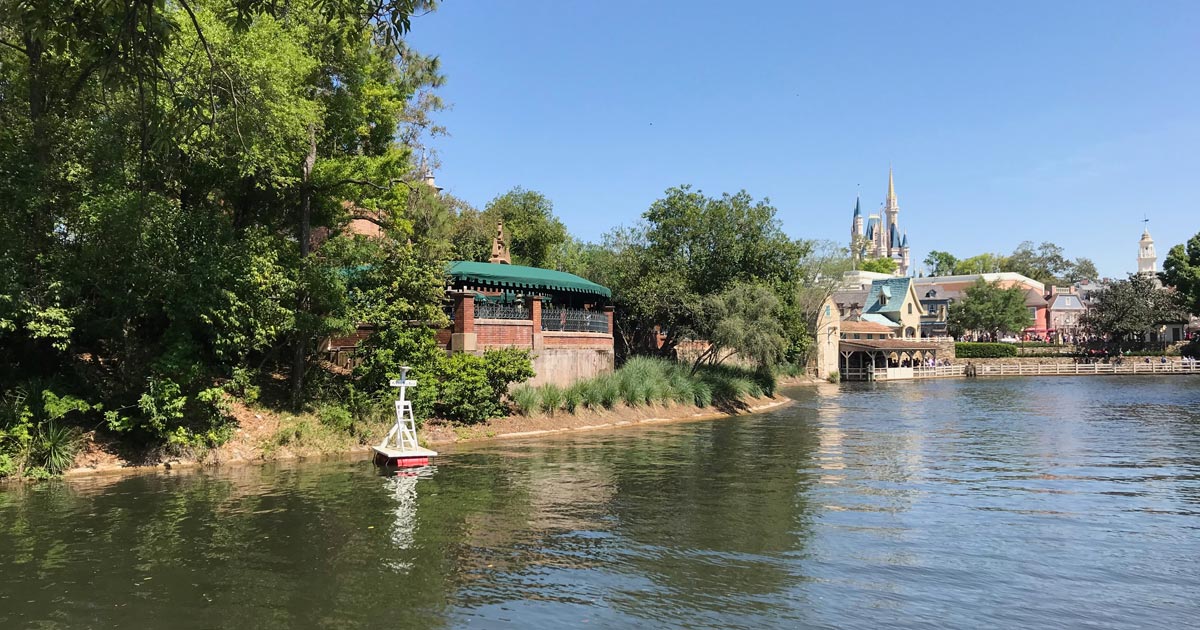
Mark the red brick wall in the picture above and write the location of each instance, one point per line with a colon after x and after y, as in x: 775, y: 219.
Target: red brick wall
x: 443, y: 337
x: 503, y: 333
x: 577, y: 340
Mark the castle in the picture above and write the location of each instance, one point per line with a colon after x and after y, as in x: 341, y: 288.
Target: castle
x: 881, y: 237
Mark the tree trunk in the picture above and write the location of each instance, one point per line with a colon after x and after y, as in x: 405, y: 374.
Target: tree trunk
x: 299, y: 362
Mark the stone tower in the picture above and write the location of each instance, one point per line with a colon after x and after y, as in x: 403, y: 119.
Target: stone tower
x: 1147, y: 259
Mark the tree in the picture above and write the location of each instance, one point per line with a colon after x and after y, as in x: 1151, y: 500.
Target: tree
x: 983, y: 263
x: 1181, y: 270
x: 742, y: 320
x: 819, y: 275
x: 1126, y: 309
x: 986, y: 307
x: 532, y: 230
x: 1081, y: 269
x: 940, y: 263
x: 689, y: 247
x: 878, y: 265
x: 173, y: 174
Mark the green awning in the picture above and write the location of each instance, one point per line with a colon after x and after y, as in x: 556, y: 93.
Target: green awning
x: 521, y: 277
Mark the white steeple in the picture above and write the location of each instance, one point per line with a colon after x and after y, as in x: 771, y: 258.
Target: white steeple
x: 1147, y: 259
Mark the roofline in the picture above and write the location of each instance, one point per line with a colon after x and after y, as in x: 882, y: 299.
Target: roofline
x: 987, y: 277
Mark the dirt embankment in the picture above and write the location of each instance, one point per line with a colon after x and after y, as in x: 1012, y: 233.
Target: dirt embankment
x: 263, y: 435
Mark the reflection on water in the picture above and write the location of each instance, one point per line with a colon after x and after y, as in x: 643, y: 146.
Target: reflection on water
x: 1071, y: 502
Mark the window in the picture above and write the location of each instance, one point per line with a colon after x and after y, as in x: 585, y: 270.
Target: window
x: 856, y: 335
x: 910, y: 309
x: 870, y: 336
x: 826, y: 310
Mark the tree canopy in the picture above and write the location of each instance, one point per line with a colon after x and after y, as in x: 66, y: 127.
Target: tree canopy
x: 940, y: 263
x: 1181, y: 270
x: 878, y: 265
x: 987, y: 307
x: 1126, y: 309
x: 1047, y: 263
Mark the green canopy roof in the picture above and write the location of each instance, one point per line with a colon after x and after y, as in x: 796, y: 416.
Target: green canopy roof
x: 518, y: 276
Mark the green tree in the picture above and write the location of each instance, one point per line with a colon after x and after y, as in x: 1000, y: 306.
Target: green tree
x: 1181, y: 270
x: 878, y: 265
x: 983, y: 263
x: 986, y: 307
x: 689, y: 247
x: 170, y: 172
x: 532, y: 230
x: 1126, y: 309
x: 742, y: 319
x: 940, y: 263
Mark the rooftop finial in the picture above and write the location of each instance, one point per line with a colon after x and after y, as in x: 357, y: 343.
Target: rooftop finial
x: 499, y: 248
x: 891, y: 186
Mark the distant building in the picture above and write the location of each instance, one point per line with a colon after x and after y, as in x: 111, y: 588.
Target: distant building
x: 880, y: 236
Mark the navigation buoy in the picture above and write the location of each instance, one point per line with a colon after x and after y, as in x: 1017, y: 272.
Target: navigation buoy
x: 399, y: 448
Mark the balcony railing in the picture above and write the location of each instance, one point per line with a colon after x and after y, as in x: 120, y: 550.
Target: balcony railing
x: 574, y: 320
x: 488, y: 310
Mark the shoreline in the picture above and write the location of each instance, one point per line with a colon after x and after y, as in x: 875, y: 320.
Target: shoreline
x: 438, y: 435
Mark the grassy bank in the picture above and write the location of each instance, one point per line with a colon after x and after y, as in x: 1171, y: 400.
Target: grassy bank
x: 646, y: 381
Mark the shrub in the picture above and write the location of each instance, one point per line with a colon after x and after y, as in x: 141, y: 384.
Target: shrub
x: 552, y: 398
x: 703, y: 394
x: 966, y: 350
x: 526, y: 399
x: 505, y: 367
x: 573, y: 397
x: 54, y: 447
x: 834, y: 377
x: 335, y: 417
x: 466, y: 393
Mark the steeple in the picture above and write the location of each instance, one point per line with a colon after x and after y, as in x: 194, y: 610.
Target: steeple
x: 1147, y: 258
x: 891, y: 197
x: 857, y: 207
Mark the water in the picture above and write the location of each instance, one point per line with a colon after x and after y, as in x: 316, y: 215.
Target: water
x: 1008, y: 503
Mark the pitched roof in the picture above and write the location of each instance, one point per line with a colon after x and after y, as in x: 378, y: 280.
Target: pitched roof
x: 850, y: 345
x: 865, y: 326
x: 880, y: 319
x: 1067, y: 302
x: 520, y: 276
x: 1033, y: 297
x: 850, y: 297
x: 893, y: 288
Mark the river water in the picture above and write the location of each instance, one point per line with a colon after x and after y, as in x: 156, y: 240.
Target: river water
x: 1000, y: 503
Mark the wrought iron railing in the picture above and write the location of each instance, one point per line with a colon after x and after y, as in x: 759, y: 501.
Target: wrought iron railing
x: 488, y: 310
x: 573, y: 320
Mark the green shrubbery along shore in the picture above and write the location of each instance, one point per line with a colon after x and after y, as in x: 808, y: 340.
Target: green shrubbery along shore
x: 971, y: 350
x: 644, y: 381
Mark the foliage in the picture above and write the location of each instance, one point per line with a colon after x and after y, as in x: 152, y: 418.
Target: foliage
x: 532, y: 230
x: 968, y: 350
x: 37, y: 438
x: 878, y: 265
x: 688, y: 247
x: 647, y: 381
x: 742, y: 319
x: 820, y: 273
x: 940, y: 263
x: 175, y: 178
x: 1124, y: 310
x: 834, y: 377
x: 1046, y: 263
x: 986, y: 307
x: 1181, y: 270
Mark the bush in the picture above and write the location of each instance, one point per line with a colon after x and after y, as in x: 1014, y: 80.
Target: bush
x: 552, y: 398
x: 573, y: 397
x: 526, y: 399
x: 335, y: 417
x: 466, y: 393
x: 834, y: 377
x: 967, y: 350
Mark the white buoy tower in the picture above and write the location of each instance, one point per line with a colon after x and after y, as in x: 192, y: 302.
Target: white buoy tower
x: 400, y: 447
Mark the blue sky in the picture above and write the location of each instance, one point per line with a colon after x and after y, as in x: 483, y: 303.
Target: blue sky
x: 1059, y: 121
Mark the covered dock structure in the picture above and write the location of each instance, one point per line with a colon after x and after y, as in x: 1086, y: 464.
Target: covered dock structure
x: 871, y: 359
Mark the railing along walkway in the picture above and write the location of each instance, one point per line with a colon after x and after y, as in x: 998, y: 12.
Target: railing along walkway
x: 1049, y: 369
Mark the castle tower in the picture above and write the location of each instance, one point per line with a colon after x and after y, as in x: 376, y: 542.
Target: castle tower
x: 1147, y: 259
x: 904, y: 262
x: 891, y: 209
x: 856, y: 232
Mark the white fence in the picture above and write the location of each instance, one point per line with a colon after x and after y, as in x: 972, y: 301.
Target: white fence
x: 1035, y: 369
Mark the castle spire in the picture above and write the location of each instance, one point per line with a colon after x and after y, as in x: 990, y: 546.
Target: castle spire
x: 891, y: 196
x: 857, y: 207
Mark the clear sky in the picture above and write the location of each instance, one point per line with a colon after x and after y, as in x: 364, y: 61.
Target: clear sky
x: 1005, y: 121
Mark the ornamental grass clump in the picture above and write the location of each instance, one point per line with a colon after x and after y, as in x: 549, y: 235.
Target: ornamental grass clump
x: 552, y: 398
x: 526, y: 399
x: 573, y: 398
